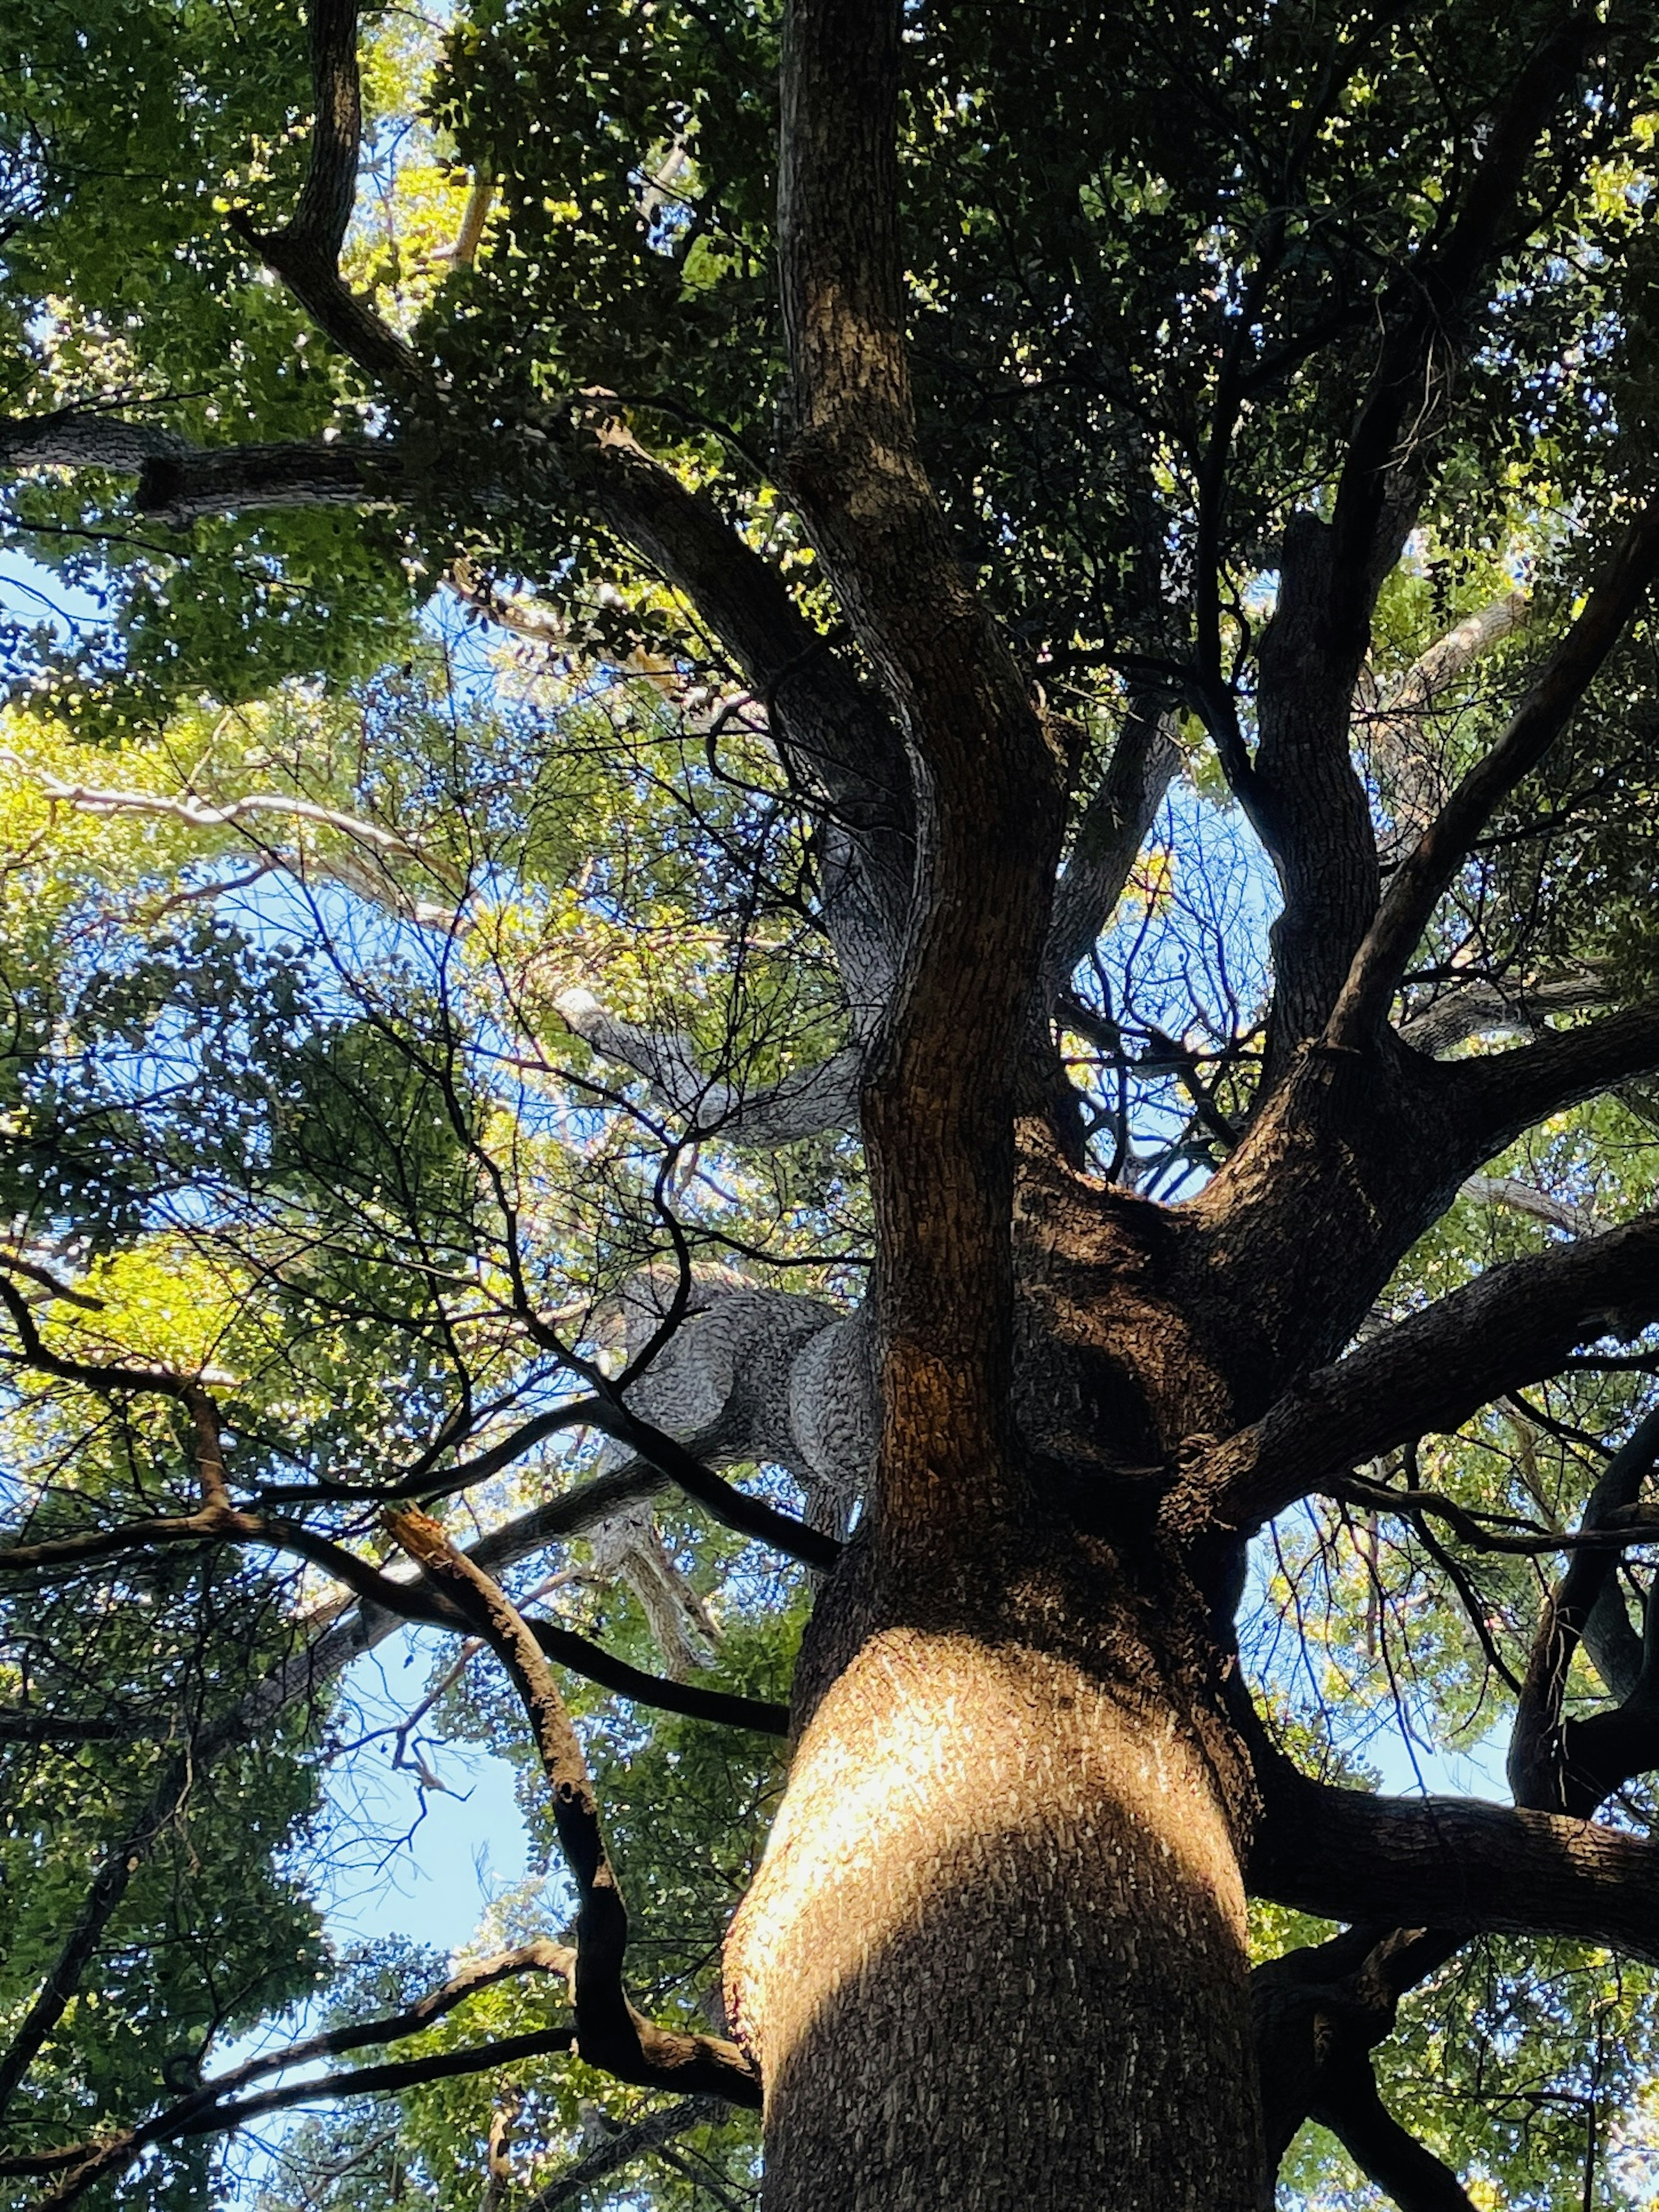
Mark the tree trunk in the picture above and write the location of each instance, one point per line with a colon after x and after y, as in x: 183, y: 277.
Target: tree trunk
x: 996, y: 1953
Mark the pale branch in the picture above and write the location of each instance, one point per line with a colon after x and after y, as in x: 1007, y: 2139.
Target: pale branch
x: 1486, y: 1007
x: 1401, y: 748
x: 1110, y: 832
x: 1538, y: 1205
x: 570, y: 1514
x: 804, y: 1104
x: 1450, y: 1863
x: 1538, y: 1758
x: 1428, y: 1372
x: 1501, y: 1094
x: 1449, y: 657
x: 475, y: 214
x: 622, y: 2149
x: 368, y: 878
x: 1362, y: 1008
x: 201, y: 814
x: 610, y: 2034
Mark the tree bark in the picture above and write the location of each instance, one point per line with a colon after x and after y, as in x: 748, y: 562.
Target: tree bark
x: 996, y: 1954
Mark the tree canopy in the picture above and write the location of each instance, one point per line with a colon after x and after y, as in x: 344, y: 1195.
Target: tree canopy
x: 828, y: 841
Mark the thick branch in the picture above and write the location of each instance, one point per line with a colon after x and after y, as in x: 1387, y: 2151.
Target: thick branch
x: 1504, y: 1093
x: 939, y: 1106
x: 1451, y: 1863
x: 84, y: 438
x: 1347, y: 2103
x: 1428, y: 1372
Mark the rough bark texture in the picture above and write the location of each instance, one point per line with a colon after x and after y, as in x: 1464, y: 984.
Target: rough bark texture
x: 997, y: 1937
x: 995, y: 1955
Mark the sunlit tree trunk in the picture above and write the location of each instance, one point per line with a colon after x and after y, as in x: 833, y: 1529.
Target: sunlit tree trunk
x: 996, y: 1954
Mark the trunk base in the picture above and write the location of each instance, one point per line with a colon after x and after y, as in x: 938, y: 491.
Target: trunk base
x: 995, y: 1956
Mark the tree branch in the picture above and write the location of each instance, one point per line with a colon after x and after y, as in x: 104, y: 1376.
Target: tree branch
x: 619, y: 2150
x: 1362, y: 1008
x: 939, y: 1104
x: 803, y: 1103
x: 1501, y: 1094
x: 696, y: 1700
x: 1427, y: 1372
x: 196, y: 2116
x: 1412, y: 776
x: 1347, y: 2103
x: 1537, y: 1757
x: 306, y: 252
x: 611, y: 2034
x: 1303, y: 793
x: 1482, y: 1006
x: 1450, y: 1863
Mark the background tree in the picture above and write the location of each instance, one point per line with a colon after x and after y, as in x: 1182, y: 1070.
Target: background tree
x: 1076, y: 671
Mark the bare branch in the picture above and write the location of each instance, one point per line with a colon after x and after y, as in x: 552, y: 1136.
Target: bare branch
x: 1537, y: 1205
x: 1110, y: 833
x: 622, y: 2149
x: 1451, y: 1862
x: 306, y: 252
x: 1538, y: 1758
x: 1483, y: 1008
x: 612, y: 2035
x: 1347, y: 2103
x: 695, y: 1699
x: 1502, y: 1093
x: 803, y: 1103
